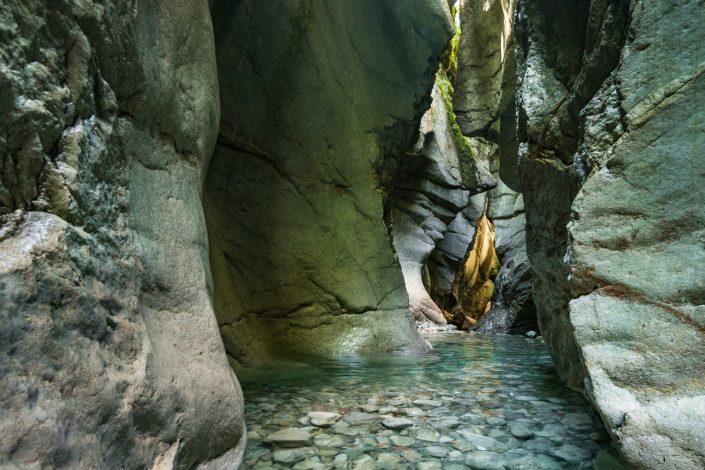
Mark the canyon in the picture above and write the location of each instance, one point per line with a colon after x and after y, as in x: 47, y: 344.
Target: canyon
x: 193, y: 188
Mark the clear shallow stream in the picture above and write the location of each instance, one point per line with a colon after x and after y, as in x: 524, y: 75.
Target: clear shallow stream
x: 485, y: 403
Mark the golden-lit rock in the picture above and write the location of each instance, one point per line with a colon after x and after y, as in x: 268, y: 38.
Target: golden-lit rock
x: 474, y: 282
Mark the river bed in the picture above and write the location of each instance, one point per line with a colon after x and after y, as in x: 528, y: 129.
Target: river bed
x: 481, y: 402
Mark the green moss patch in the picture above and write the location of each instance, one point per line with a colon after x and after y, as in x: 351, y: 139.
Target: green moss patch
x: 446, y: 87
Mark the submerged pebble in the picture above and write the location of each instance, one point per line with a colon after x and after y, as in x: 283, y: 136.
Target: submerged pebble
x: 475, y: 402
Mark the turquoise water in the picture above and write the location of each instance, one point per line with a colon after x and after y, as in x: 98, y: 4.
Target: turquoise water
x: 475, y: 402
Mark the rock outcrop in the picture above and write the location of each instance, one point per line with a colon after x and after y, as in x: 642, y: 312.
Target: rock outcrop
x: 611, y: 99
x: 319, y: 100
x: 434, y: 184
x: 484, y: 99
x: 473, y: 285
x: 110, y: 352
x: 512, y: 309
x: 485, y: 85
x: 485, y: 45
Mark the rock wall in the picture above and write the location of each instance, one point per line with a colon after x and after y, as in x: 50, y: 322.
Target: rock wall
x: 484, y: 101
x: 512, y: 308
x: 610, y: 103
x: 485, y: 45
x: 319, y: 99
x: 110, y: 352
x: 433, y: 186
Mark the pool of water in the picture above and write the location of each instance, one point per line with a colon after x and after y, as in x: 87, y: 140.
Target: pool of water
x: 478, y: 402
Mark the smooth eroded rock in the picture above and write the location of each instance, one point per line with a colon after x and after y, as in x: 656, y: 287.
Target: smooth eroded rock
x: 290, y: 437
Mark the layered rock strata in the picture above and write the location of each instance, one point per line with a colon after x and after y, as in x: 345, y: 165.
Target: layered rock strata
x: 512, y: 310
x: 484, y: 103
x: 318, y: 101
x: 110, y: 352
x: 434, y: 184
x: 610, y: 102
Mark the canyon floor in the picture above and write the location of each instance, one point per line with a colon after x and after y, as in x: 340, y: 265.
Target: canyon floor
x: 476, y: 401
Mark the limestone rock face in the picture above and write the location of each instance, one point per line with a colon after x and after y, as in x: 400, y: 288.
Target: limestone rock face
x: 110, y: 352
x: 319, y: 99
x: 484, y: 46
x: 485, y: 89
x: 434, y: 184
x: 485, y: 85
x: 512, y: 309
x: 555, y: 83
x: 611, y: 101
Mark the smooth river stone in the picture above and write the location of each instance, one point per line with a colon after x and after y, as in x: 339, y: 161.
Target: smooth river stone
x: 397, y: 401
x: 411, y: 455
x: 428, y: 466
x: 435, y: 451
x: 413, y: 411
x: 346, y: 430
x: 364, y: 463
x: 397, y: 423
x: 427, y: 403
x: 291, y: 456
x: 446, y: 423
x: 427, y: 435
x: 571, y: 453
x: 521, y: 431
x: 534, y: 462
x: 483, y: 442
x: 310, y: 464
x: 403, y: 441
x: 323, y: 419
x: 326, y: 440
x: 358, y: 417
x: 388, y: 460
x: 340, y: 461
x: 483, y: 460
x: 494, y: 421
x: 290, y: 437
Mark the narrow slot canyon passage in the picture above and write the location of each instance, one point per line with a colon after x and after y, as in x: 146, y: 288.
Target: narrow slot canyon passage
x: 337, y: 234
x: 318, y: 256
x: 297, y: 243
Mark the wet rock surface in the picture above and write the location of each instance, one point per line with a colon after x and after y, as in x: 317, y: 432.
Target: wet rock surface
x: 110, y: 354
x: 513, y: 310
x: 477, y: 401
x: 484, y: 102
x: 319, y: 100
x: 433, y: 186
x: 610, y: 118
